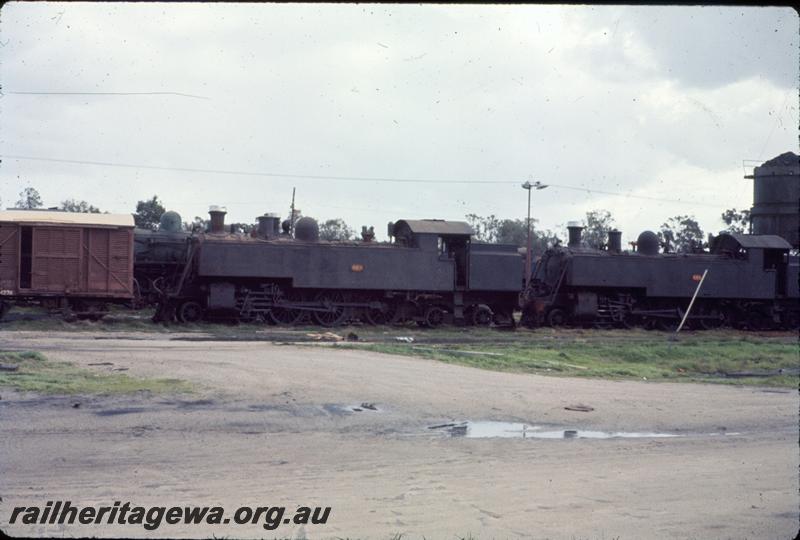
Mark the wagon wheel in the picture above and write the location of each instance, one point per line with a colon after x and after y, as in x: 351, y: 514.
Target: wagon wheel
x: 556, y: 317
x: 334, y: 315
x: 190, y: 312
x: 282, y: 315
x: 482, y: 315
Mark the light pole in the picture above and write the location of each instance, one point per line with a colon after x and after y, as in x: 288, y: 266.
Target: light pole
x: 527, y: 186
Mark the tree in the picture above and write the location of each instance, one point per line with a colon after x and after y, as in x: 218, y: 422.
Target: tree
x: 682, y: 234
x: 73, y: 205
x: 148, y: 213
x: 336, y: 230
x: 492, y: 230
x: 244, y: 228
x: 29, y: 199
x: 738, y: 221
x: 596, y: 227
x: 197, y: 225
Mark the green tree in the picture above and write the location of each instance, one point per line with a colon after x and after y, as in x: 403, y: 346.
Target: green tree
x: 148, y: 213
x: 73, y: 205
x: 336, y: 230
x: 596, y: 227
x: 492, y: 230
x: 738, y: 221
x: 197, y: 225
x: 29, y: 199
x: 682, y: 234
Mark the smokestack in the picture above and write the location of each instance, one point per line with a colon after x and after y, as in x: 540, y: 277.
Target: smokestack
x: 574, y: 234
x: 614, y: 241
x: 217, y: 214
x: 268, y: 225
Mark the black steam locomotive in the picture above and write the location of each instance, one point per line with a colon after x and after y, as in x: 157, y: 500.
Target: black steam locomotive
x: 430, y: 273
x: 750, y: 281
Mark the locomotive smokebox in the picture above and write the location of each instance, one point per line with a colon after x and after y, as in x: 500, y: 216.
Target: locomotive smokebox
x: 615, y: 241
x: 217, y: 214
x: 574, y: 229
x: 268, y: 225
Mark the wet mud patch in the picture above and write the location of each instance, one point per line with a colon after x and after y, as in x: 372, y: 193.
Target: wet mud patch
x: 517, y: 430
x: 120, y: 411
x: 338, y: 409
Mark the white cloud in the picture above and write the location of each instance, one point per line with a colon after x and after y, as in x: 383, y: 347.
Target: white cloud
x: 657, y: 102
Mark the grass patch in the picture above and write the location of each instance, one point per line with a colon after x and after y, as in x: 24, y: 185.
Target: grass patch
x: 35, y: 373
x: 752, y: 359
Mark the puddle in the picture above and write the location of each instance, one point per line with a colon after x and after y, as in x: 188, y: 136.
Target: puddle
x: 346, y: 409
x: 512, y: 430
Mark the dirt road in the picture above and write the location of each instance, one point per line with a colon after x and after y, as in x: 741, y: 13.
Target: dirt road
x: 279, y: 425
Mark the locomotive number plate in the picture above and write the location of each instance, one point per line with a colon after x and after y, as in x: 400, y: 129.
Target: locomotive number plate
x: 697, y: 277
x: 357, y: 267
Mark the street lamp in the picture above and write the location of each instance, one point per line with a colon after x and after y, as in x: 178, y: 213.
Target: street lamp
x: 527, y: 186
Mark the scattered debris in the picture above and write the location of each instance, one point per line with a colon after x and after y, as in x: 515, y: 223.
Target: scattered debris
x: 327, y: 336
x: 404, y: 339
x: 76, y: 405
x: 370, y: 406
x: 100, y: 364
x: 579, y: 408
x: 8, y: 368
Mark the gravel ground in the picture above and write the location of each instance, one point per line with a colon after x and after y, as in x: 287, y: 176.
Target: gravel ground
x: 276, y: 424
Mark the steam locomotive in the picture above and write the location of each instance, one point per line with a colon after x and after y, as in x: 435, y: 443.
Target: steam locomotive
x: 747, y: 281
x: 430, y: 273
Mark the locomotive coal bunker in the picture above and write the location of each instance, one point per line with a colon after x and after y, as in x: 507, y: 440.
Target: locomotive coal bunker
x: 431, y: 273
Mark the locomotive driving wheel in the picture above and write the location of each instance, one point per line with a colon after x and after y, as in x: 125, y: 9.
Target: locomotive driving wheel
x: 381, y: 316
x: 556, y: 317
x: 285, y: 315
x: 334, y: 314
x: 190, y: 312
x: 482, y: 315
x: 434, y: 317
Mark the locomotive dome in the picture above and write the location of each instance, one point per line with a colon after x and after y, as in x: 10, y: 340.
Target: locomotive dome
x: 647, y: 243
x: 170, y: 222
x: 306, y: 229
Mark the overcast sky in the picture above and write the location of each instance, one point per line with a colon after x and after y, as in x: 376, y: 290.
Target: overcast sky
x: 657, y: 102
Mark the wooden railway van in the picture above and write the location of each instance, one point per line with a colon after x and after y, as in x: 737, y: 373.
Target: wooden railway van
x: 65, y: 259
